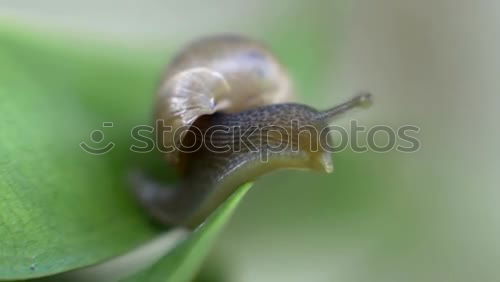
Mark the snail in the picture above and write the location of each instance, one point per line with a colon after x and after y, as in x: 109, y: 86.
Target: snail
x: 216, y: 91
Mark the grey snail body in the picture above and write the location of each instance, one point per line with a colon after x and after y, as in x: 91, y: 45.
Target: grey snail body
x: 225, y: 87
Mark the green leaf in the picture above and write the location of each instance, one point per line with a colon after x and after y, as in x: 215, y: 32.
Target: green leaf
x: 60, y: 207
x: 182, y: 263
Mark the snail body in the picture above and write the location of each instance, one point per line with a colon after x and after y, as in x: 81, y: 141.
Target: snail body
x: 237, y: 96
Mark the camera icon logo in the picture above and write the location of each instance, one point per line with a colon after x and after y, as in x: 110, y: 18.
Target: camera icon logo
x: 97, y: 137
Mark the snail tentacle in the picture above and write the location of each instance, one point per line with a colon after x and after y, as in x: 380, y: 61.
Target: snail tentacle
x: 361, y: 100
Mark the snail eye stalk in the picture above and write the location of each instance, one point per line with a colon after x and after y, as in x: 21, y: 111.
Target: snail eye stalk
x: 363, y: 100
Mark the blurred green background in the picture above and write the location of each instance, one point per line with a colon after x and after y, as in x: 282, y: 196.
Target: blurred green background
x: 425, y: 216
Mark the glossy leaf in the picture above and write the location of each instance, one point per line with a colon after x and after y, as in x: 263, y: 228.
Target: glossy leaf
x: 60, y: 207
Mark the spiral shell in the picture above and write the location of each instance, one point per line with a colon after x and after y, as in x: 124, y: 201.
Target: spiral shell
x: 225, y: 73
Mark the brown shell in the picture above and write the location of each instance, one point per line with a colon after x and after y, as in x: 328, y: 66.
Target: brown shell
x: 225, y: 73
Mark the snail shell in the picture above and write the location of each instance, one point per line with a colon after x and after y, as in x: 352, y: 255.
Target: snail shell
x: 226, y: 73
